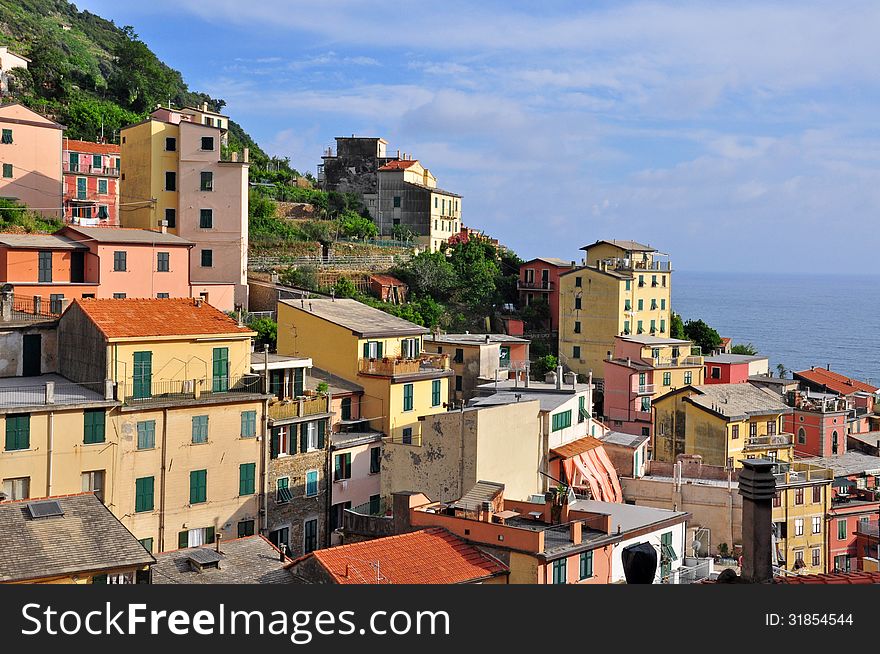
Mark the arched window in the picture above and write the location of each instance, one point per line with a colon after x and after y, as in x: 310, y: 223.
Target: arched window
x: 834, y: 442
x: 802, y: 436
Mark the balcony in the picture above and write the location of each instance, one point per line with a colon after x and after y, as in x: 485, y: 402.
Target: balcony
x: 539, y: 285
x: 677, y: 362
x: 144, y: 392
x: 397, y: 366
x: 19, y: 308
x: 298, y: 408
x: 88, y: 169
x: 768, y: 441
x: 633, y: 265
x: 645, y: 389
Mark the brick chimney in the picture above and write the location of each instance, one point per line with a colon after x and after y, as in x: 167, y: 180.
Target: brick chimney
x: 757, y: 485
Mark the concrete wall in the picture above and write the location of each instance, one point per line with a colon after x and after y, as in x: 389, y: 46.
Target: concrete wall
x: 11, y: 344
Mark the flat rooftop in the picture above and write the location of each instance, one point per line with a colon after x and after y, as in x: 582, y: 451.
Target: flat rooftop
x: 850, y: 462
x: 278, y: 361
x: 20, y: 392
x: 362, y: 320
x: 626, y: 440
x: 647, y: 339
x: 734, y: 358
x: 474, y: 339
x: 628, y: 516
x: 250, y: 560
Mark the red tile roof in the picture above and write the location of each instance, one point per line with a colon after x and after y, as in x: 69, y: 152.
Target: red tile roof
x: 840, y: 384
x: 73, y: 145
x: 429, y: 556
x: 399, y: 164
x: 138, y: 318
x: 832, y: 578
x: 386, y: 280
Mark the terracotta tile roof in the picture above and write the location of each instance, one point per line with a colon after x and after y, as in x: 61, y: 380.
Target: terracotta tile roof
x: 832, y: 578
x: 132, y: 318
x: 579, y: 446
x: 429, y: 556
x: 399, y: 164
x: 386, y: 280
x: 834, y: 381
x: 72, y: 145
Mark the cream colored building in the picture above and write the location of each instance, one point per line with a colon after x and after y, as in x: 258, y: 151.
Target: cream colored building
x: 8, y: 62
x: 173, y: 170
x: 623, y: 288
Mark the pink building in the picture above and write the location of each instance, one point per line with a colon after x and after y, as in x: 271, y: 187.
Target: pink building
x: 91, y: 183
x: 30, y: 158
x: 734, y: 368
x: 539, y: 281
x: 818, y: 423
x: 642, y: 369
x: 99, y: 262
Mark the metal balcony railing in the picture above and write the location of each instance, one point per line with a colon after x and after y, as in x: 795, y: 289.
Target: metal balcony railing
x: 645, y: 389
x: 769, y: 440
x: 89, y: 169
x: 534, y: 285
x: 140, y: 392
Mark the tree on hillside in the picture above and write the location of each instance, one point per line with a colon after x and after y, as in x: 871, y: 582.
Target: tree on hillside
x: 354, y: 225
x: 676, y: 327
x: 140, y: 80
x: 428, y: 274
x: 744, y: 348
x: 702, y: 334
x: 47, y: 68
x: 476, y: 268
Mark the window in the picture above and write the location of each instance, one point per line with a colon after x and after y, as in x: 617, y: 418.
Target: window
x: 817, y: 524
x: 662, y: 325
x: 375, y: 460
x: 373, y: 350
x: 626, y: 326
x: 667, y: 378
x: 198, y: 486
x: 206, y: 218
x: 576, y: 351
x: 841, y: 530
x: 459, y: 355
x: 459, y: 382
x: 17, y: 489
x: 7, y: 170
x: 103, y: 212
x: 646, y: 404
x: 817, y: 494
x: 206, y: 181
x: 199, y: 429
x: 396, y: 201
x: 280, y: 538
x: 663, y: 304
x: 559, y: 574
x: 170, y: 144
x: 147, y: 544
x: 586, y: 565
x: 577, y: 303
x: 248, y: 424
x: 55, y: 300
x: 688, y: 377
x: 407, y: 436
x: 195, y: 537
x: 409, y: 348
x: 44, y: 266
x: 628, y: 284
x: 771, y: 427
x: 170, y: 181
x: 102, y: 186
x: 345, y: 408
x: 119, y: 260
x: 639, y: 327
x: 815, y: 554
x: 146, y: 434
x: 653, y: 304
x: 777, y: 499
x: 207, y: 143
x: 220, y: 370
x: 143, y: 494
x: 627, y: 305
x: 282, y: 490
x: 753, y: 429
x: 578, y: 282
x: 641, y: 280
x: 716, y: 372
x: 207, y: 258
x: 653, y: 280
x: 577, y: 327
x: 653, y: 326
x: 171, y: 217
x: 408, y: 391
x: 802, y: 436
x: 643, y: 379
x: 311, y: 483
x: 7, y: 137
x: 342, y: 466
x: 312, y: 436
x: 435, y: 392
x: 119, y: 296
x: 245, y: 528
x: 163, y: 261
x: 246, y: 478
x: 93, y: 482
x: 93, y: 426
x: 799, y: 527
x: 18, y: 432
x: 798, y: 496
x: 560, y: 420
x: 310, y: 535
x: 641, y: 305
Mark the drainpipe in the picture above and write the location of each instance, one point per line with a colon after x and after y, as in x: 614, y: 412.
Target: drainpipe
x: 51, y: 453
x: 162, y: 480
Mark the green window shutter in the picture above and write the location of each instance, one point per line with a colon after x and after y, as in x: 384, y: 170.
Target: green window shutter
x: 183, y: 539
x: 367, y: 350
x: 276, y: 435
x: 346, y: 408
x: 93, y: 427
x: 321, y: 428
x: 221, y: 370
x: 303, y: 437
x: 198, y: 482
x: 18, y: 435
x: 142, y: 375
x: 407, y: 397
x: 246, y: 477
x: 379, y: 350
x: 144, y: 494
x: 435, y: 392
x: 298, y: 382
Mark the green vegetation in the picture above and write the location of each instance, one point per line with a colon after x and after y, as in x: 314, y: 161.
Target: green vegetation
x: 702, y: 334
x: 15, y: 217
x: 676, y: 327
x: 543, y: 365
x: 267, y: 331
x: 744, y: 348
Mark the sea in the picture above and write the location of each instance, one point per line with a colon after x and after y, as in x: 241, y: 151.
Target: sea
x: 798, y: 320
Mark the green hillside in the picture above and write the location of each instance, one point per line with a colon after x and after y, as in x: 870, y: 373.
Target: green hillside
x: 92, y: 75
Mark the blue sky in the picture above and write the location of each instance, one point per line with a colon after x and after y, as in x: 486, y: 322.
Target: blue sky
x: 734, y: 136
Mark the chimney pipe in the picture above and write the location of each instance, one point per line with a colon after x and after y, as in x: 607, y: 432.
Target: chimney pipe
x: 282, y: 548
x: 757, y: 485
x: 559, y: 377
x: 217, y: 542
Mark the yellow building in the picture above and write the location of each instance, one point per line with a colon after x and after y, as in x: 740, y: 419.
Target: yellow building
x: 723, y: 423
x: 803, y: 499
x: 163, y: 422
x: 72, y: 539
x: 622, y: 288
x: 378, y: 351
x: 174, y: 173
